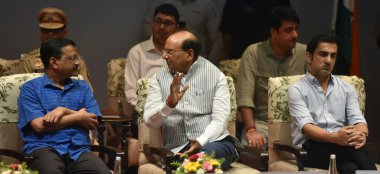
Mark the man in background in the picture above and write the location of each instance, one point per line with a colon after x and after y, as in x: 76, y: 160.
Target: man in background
x: 245, y: 22
x: 279, y: 55
x: 145, y: 58
x: 52, y: 24
x: 200, y: 17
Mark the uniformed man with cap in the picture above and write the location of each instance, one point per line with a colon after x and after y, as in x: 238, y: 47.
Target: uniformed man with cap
x: 52, y: 24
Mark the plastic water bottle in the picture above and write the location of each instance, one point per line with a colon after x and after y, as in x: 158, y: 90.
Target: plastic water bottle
x: 117, y: 167
x: 332, y: 165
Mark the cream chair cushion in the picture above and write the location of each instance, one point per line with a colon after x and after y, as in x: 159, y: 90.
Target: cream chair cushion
x: 116, y: 80
x: 230, y: 68
x: 9, y: 67
x: 279, y: 119
x: 9, y: 91
x: 115, y: 87
x: 146, y: 135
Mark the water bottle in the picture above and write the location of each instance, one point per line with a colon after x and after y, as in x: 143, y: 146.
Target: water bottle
x: 332, y: 165
x: 117, y: 167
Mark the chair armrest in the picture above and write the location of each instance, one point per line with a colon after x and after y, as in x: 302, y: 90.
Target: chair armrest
x: 12, y: 153
x: 166, y: 155
x: 300, y: 153
x: 111, y: 154
x: 253, y: 157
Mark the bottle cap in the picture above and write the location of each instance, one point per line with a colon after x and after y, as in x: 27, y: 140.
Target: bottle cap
x: 332, y: 156
x: 118, y: 158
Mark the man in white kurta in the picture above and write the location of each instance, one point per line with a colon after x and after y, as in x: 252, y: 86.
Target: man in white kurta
x: 190, y: 101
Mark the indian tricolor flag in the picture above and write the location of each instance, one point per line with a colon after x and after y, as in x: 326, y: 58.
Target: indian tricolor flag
x: 345, y: 25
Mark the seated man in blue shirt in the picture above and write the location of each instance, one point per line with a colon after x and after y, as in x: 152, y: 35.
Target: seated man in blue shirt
x: 326, y: 118
x: 56, y: 114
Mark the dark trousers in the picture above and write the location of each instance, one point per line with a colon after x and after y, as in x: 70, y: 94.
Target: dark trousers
x: 48, y: 161
x: 224, y: 148
x: 348, y: 159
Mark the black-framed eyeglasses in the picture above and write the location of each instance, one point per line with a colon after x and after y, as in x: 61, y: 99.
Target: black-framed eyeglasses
x: 170, y: 52
x: 166, y: 23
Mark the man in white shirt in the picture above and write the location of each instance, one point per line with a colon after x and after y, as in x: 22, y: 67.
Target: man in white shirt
x: 190, y: 101
x: 144, y: 59
x: 201, y: 17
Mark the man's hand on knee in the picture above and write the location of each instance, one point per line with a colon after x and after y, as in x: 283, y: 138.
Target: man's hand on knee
x: 357, y: 139
x: 343, y: 135
x: 255, y: 139
x: 195, y: 146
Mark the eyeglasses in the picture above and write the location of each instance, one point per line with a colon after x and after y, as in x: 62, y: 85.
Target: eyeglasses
x: 170, y: 52
x: 71, y: 58
x: 160, y: 21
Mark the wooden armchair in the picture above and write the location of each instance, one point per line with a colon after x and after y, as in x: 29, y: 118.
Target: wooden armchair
x: 11, y: 154
x: 153, y: 158
x: 283, y: 156
x: 117, y: 103
x: 107, y: 154
x: 9, y: 90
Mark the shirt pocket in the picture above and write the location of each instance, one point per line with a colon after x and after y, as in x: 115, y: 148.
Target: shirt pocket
x: 75, y: 103
x: 50, y: 103
x: 202, y: 99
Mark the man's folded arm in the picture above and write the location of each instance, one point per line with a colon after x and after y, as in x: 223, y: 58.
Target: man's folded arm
x: 70, y: 117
